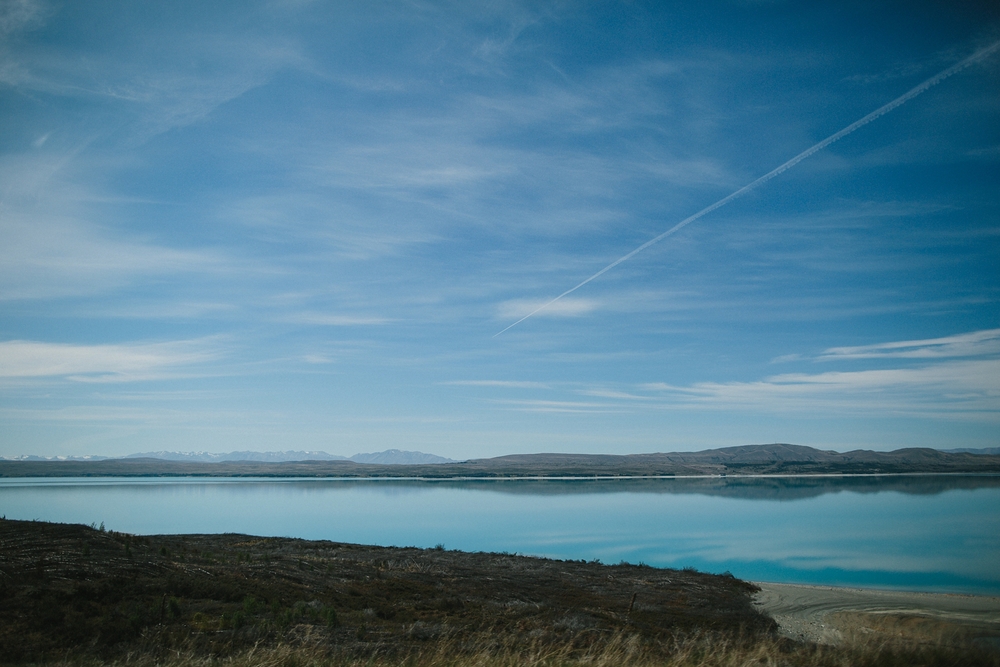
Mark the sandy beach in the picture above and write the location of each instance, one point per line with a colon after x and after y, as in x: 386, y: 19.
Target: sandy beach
x: 832, y: 615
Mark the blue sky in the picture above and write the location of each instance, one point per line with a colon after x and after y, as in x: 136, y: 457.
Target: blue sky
x: 299, y: 225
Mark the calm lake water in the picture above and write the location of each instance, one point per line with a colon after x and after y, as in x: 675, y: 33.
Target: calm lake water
x: 939, y: 533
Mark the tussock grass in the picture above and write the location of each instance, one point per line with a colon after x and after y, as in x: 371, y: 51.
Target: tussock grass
x: 618, y: 650
x: 78, y: 596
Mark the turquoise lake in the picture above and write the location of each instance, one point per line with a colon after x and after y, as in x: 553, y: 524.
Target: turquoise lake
x: 935, y: 533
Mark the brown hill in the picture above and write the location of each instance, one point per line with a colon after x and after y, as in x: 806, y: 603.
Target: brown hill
x: 742, y: 460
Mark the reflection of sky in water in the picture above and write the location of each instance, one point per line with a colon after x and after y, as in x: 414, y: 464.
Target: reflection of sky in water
x: 947, y: 539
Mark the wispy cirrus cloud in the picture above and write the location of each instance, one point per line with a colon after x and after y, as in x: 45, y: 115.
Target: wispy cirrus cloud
x: 958, y: 378
x: 60, y: 238
x: 18, y: 15
x: 580, y: 407
x: 52, y: 256
x: 615, y: 394
x: 509, y: 384
x: 99, y: 363
x: 337, y: 320
x: 329, y: 226
x: 172, y: 81
x: 973, y: 344
x: 952, y: 389
x: 564, y: 308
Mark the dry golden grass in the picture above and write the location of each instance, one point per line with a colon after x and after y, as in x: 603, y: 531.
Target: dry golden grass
x: 619, y: 650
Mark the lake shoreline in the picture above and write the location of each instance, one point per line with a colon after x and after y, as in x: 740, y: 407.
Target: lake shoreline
x: 505, y: 478
x: 833, y: 614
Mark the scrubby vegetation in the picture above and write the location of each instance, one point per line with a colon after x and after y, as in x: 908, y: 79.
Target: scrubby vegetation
x: 82, y: 595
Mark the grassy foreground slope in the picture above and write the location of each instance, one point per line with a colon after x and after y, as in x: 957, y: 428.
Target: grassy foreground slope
x: 90, y: 592
x: 72, y: 594
x: 743, y: 460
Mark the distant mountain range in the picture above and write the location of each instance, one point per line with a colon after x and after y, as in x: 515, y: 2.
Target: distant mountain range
x: 776, y: 459
x: 268, y: 457
x: 388, y: 457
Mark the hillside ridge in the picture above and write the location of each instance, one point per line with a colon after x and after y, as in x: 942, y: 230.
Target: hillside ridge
x: 771, y: 459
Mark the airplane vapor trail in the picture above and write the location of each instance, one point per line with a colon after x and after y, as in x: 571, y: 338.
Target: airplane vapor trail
x: 979, y: 55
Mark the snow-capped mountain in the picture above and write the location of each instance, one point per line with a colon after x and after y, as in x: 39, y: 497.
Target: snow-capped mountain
x: 266, y: 457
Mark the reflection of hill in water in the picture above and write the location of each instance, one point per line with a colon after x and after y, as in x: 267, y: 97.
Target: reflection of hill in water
x: 748, y: 488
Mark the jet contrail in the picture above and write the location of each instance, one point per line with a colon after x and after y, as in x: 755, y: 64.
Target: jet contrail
x: 881, y: 111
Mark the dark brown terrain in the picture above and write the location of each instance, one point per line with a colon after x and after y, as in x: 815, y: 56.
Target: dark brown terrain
x: 775, y: 459
x: 80, y: 591
x: 79, y: 595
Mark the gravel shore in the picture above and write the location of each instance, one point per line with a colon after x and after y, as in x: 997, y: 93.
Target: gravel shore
x: 831, y: 615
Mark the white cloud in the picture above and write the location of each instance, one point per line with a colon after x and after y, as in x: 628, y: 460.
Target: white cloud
x: 611, y: 393
x: 950, y: 388
x: 317, y: 359
x: 49, y: 256
x: 158, y: 310
x: 568, y: 307
x: 577, y: 407
x: 53, y: 244
x: 405, y: 163
x: 329, y: 225
x: 20, y: 15
x: 325, y: 319
x: 976, y: 343
x: 178, y: 98
x: 172, y: 80
x: 33, y: 359
x: 959, y: 379
x: 958, y: 389
x: 509, y: 384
